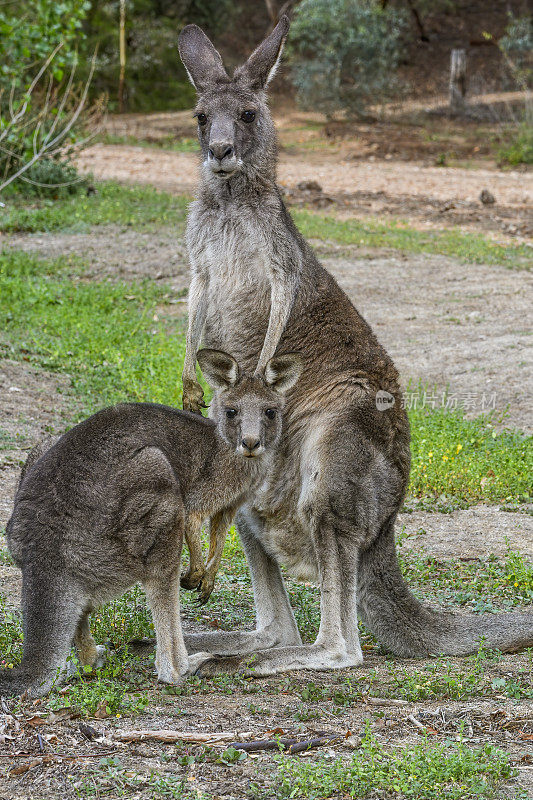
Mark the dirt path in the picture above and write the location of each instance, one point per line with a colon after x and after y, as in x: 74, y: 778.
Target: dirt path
x: 178, y: 172
x: 425, y: 196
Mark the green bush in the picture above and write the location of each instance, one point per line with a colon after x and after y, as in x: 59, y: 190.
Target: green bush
x: 52, y: 178
x: 517, y: 46
x: 519, y: 149
x: 37, y: 64
x: 344, y: 54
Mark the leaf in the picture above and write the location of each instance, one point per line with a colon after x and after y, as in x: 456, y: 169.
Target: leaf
x: 36, y: 721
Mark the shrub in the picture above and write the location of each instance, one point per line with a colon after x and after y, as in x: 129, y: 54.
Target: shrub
x: 52, y: 178
x: 517, y: 47
x: 519, y: 148
x: 40, y: 104
x: 344, y: 54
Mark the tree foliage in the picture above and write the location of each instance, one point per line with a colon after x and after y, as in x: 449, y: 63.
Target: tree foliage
x: 29, y: 32
x: 154, y: 76
x: 40, y: 103
x: 344, y: 53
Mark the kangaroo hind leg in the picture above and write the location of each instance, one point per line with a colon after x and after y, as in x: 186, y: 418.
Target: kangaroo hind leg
x: 51, y: 612
x: 89, y: 653
x: 172, y: 662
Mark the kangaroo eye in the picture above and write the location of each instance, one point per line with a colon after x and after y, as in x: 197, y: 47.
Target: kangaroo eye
x: 202, y: 119
x: 248, y: 116
x: 270, y: 413
x: 231, y: 413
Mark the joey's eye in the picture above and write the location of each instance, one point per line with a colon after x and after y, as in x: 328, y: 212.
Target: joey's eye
x: 270, y: 413
x: 231, y: 413
x: 202, y: 119
x: 248, y: 116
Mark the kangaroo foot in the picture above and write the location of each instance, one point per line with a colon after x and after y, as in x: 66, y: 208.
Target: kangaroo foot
x: 281, y: 659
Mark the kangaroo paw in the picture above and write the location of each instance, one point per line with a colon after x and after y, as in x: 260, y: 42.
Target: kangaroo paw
x: 192, y: 578
x: 205, y: 588
x: 193, y: 397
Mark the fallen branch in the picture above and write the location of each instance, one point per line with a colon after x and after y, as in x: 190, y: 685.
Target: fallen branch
x: 383, y: 701
x: 415, y: 722
x: 286, y: 745
x: 170, y: 737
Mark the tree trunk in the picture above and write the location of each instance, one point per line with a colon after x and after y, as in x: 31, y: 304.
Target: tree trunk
x: 272, y: 11
x: 458, y: 80
x: 122, y: 51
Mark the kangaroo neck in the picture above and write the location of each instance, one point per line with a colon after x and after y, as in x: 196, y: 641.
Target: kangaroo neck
x: 240, y: 473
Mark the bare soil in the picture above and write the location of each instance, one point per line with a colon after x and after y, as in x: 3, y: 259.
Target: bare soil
x: 427, y: 195
x: 57, y: 760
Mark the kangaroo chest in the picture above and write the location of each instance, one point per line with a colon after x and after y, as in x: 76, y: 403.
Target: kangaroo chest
x: 231, y: 247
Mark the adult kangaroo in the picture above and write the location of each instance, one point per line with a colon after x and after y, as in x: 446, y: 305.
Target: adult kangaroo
x: 328, y: 507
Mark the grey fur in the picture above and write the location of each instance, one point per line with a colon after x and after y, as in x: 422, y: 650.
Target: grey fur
x: 327, y: 508
x: 109, y: 503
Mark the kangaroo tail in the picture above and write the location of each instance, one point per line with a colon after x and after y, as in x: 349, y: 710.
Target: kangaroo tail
x: 51, y: 611
x: 408, y: 628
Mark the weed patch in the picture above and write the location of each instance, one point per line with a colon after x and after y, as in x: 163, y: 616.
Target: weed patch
x: 132, y: 206
x: 467, y: 247
x: 481, y: 585
x: 10, y: 636
x: 465, y: 461
x: 454, y: 771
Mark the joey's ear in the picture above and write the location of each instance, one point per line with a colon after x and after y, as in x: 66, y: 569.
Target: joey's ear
x: 219, y: 369
x: 261, y: 67
x: 282, y: 372
x: 201, y: 60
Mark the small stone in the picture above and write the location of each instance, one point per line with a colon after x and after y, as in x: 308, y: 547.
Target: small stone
x: 487, y: 198
x: 309, y: 186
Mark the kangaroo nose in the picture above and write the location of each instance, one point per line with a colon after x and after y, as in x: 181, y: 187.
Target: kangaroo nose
x: 250, y: 443
x: 220, y: 150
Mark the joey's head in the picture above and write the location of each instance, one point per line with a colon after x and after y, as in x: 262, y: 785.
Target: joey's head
x: 235, y: 128
x: 248, y: 409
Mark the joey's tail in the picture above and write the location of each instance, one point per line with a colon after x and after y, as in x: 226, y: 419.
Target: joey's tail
x: 408, y: 628
x: 51, y: 611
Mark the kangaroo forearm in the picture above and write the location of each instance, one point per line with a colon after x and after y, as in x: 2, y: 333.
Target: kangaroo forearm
x: 283, y: 294
x: 197, y: 317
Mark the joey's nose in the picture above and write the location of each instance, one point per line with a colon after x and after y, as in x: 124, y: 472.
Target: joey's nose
x: 250, y: 443
x: 220, y: 150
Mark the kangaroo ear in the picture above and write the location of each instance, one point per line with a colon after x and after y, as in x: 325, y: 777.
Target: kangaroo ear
x: 220, y: 370
x: 282, y: 372
x: 201, y: 60
x: 261, y: 67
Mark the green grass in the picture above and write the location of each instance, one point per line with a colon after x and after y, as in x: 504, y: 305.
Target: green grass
x: 480, y: 585
x: 112, y: 203
x: 115, y: 346
x: 467, y: 247
x: 460, y: 461
x: 454, y: 771
x: 518, y: 149
x: 170, y: 142
x: 104, y: 334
